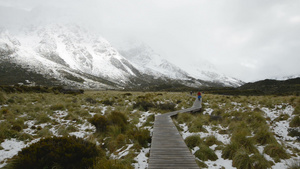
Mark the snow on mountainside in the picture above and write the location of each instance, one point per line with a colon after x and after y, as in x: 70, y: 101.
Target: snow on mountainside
x: 75, y: 57
x: 151, y: 63
x: 57, y: 50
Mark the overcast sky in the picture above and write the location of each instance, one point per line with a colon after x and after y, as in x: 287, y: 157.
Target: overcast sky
x: 250, y: 40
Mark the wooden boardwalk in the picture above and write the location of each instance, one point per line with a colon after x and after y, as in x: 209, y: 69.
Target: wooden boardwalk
x: 168, y: 149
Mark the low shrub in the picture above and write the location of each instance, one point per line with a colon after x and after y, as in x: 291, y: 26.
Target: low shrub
x: 293, y: 132
x: 276, y: 151
x: 57, y: 107
x: 57, y: 152
x: 166, y: 106
x: 205, y: 153
x: 143, y: 105
x: 193, y: 141
x: 295, y: 122
x: 90, y: 100
x: 100, y: 122
x: 107, y: 102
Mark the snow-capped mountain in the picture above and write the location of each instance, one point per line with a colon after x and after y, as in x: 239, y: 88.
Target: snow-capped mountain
x: 73, y: 56
x: 149, y: 62
x: 57, y: 50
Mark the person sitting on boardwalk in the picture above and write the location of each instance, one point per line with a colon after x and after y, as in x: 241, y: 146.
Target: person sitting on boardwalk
x: 199, y: 96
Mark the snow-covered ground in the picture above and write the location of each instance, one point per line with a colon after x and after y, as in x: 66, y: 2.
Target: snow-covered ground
x: 11, y: 147
x: 280, y: 129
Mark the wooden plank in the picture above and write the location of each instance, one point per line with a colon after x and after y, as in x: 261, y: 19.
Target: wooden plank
x: 168, y: 149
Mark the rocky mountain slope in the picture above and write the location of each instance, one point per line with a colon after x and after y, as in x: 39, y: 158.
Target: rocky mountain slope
x: 69, y: 55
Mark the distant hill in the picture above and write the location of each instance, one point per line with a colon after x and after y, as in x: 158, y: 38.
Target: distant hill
x: 268, y: 86
x: 263, y: 87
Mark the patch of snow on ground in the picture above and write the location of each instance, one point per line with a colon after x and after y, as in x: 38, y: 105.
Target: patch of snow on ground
x: 143, y: 118
x: 219, y: 162
x: 11, y: 148
x: 121, y: 153
x: 208, y: 111
x: 142, y: 159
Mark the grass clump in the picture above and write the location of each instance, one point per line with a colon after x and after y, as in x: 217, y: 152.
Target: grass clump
x: 143, y: 105
x: 294, y: 133
x: 57, y: 152
x: 242, y: 161
x: 193, y: 141
x: 100, y: 122
x: 184, y: 118
x: 295, y: 122
x: 211, y: 140
x: 276, y: 151
x: 57, y: 107
x: 294, y: 165
x: 2, y: 98
x: 263, y: 136
x: 229, y: 150
x: 205, y: 153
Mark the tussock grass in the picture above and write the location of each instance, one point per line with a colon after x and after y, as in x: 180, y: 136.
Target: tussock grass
x: 295, y: 122
x: 276, y: 151
x: 241, y: 160
x: 193, y: 141
x: 294, y: 164
x: 211, y: 140
x: 263, y: 136
x: 205, y: 153
x: 230, y: 150
x: 2, y: 97
x: 184, y: 118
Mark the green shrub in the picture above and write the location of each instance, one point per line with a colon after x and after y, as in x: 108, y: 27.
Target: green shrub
x: 205, y: 153
x: 100, y: 122
x: 57, y: 152
x: 193, y: 141
x: 276, y: 151
x: 241, y: 160
x: 295, y: 122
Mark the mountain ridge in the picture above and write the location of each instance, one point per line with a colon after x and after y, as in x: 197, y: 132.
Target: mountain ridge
x: 74, y: 57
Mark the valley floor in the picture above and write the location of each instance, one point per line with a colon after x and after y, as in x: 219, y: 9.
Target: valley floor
x: 225, y: 121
